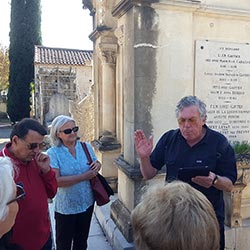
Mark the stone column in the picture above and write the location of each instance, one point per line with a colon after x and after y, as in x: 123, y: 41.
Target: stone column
x: 107, y: 147
x: 107, y: 54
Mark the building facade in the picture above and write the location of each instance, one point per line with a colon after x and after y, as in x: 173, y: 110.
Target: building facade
x: 63, y: 85
x: 148, y: 54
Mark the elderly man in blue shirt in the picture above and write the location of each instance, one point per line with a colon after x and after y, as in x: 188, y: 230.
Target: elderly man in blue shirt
x: 192, y: 145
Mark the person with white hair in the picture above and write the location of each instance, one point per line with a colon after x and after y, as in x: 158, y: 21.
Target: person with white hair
x: 74, y: 202
x: 175, y: 216
x: 8, y: 198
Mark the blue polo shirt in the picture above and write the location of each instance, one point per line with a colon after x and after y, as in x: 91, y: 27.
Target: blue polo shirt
x: 79, y: 197
x: 213, y: 151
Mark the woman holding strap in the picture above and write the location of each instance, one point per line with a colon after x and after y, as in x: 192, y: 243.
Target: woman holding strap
x: 74, y: 202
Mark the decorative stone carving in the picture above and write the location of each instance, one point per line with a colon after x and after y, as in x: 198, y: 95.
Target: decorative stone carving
x: 119, y: 33
x: 233, y: 199
x: 107, y: 53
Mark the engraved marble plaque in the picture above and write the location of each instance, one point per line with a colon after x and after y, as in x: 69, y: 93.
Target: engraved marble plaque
x: 222, y: 81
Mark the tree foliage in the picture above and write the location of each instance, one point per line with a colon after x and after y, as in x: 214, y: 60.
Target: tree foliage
x: 25, y: 33
x: 4, y: 67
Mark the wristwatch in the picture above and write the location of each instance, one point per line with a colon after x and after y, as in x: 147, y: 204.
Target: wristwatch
x: 215, y: 180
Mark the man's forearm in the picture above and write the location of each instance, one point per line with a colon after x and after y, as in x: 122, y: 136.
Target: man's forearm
x: 223, y: 183
x: 147, y: 170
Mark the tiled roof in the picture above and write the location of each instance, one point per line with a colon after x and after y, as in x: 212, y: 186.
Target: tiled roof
x: 47, y: 55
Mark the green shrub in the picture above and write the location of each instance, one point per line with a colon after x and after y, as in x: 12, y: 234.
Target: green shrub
x: 241, y: 147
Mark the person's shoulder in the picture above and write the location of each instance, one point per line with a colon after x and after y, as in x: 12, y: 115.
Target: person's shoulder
x: 169, y: 136
x: 171, y: 133
x: 52, y: 149
x: 84, y: 142
x: 217, y: 134
x: 219, y: 139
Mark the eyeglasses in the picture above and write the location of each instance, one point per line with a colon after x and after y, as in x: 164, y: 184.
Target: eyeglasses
x: 32, y: 146
x: 191, y: 121
x: 20, y: 193
x: 69, y: 130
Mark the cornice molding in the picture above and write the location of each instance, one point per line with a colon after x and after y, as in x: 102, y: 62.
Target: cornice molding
x: 98, y: 31
x: 122, y: 7
x: 94, y: 35
x: 125, y: 5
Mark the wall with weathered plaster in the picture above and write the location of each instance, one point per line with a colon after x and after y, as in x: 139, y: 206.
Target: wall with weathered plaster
x: 158, y: 68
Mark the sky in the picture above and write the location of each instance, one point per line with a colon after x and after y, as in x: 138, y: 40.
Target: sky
x: 65, y: 24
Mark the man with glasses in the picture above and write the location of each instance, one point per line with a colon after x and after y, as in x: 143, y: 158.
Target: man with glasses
x: 31, y: 230
x: 204, y: 154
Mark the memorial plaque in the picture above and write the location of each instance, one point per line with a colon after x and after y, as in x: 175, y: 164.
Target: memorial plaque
x: 222, y: 81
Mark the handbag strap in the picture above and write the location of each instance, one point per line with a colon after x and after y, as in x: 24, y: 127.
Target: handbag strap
x: 85, y: 148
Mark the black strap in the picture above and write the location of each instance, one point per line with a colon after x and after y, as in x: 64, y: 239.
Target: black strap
x: 85, y: 148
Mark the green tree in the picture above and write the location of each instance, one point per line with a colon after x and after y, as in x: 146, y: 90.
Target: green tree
x: 4, y: 67
x: 25, y: 33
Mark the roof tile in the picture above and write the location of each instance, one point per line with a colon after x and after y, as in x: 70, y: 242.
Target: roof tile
x: 48, y: 55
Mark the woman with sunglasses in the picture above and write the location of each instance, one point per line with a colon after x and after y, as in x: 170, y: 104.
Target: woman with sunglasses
x: 8, y: 199
x: 74, y: 202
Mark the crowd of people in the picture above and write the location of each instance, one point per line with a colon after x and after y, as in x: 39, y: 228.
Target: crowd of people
x: 176, y: 215
x: 32, y: 176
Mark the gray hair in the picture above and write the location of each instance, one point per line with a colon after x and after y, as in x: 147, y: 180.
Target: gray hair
x: 57, y: 123
x: 7, y: 185
x: 191, y: 101
x: 166, y: 208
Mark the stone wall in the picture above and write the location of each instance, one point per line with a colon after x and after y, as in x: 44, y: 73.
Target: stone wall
x: 84, y: 115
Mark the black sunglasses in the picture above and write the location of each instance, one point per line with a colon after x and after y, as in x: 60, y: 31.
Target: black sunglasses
x: 20, y: 193
x: 69, y: 130
x: 32, y: 146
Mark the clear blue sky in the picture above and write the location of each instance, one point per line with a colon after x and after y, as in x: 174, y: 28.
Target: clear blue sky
x: 65, y: 24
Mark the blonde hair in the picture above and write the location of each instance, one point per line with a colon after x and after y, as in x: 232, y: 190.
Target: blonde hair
x: 175, y: 217
x: 7, y: 185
